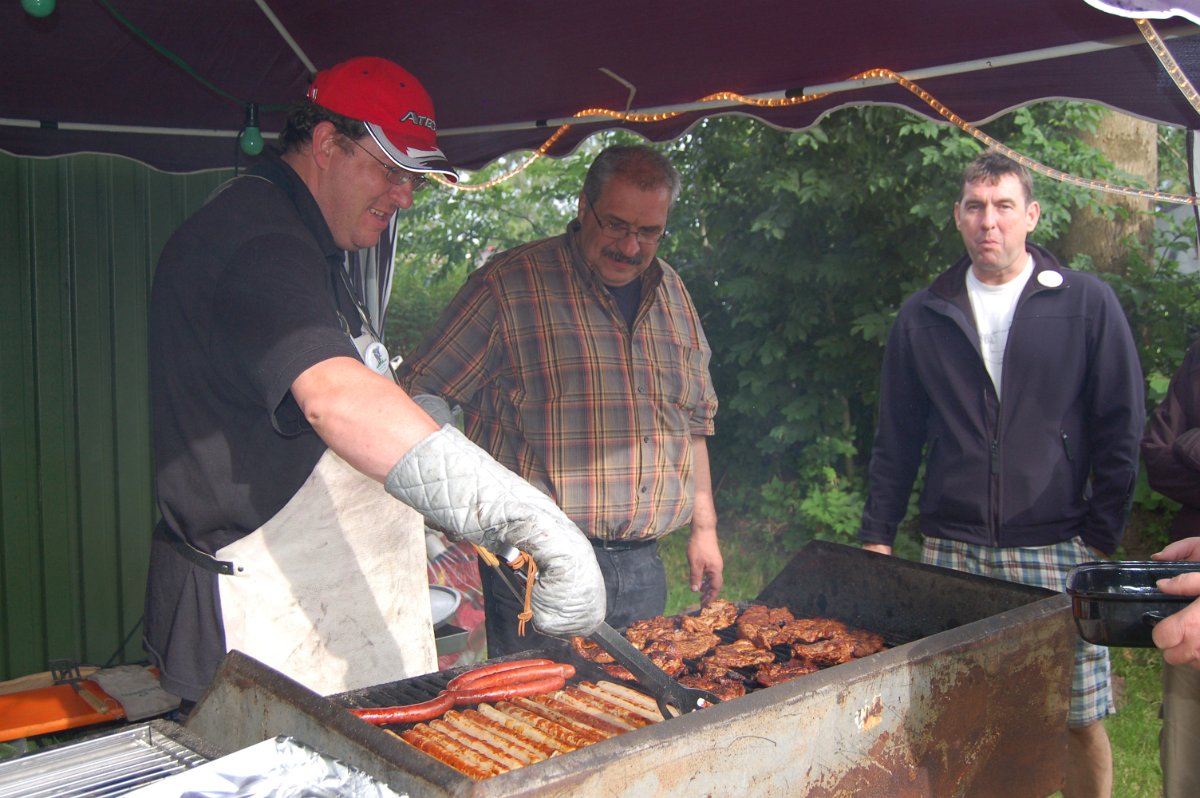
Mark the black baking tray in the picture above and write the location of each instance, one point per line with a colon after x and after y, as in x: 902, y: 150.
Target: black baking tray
x: 1118, y: 603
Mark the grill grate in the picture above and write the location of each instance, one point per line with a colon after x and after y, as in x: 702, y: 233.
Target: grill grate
x: 111, y: 765
x: 727, y: 635
x: 422, y: 688
x: 416, y: 689
x: 880, y: 724
x: 394, y: 694
x: 783, y: 652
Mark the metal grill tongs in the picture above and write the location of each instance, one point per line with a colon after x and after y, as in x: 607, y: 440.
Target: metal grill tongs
x: 667, y: 693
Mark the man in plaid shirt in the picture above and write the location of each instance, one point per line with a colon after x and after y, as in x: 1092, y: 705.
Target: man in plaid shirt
x: 580, y: 363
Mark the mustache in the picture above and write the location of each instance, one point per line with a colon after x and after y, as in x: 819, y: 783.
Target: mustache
x: 621, y: 257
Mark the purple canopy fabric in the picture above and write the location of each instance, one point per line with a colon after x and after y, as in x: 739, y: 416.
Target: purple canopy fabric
x: 166, y: 83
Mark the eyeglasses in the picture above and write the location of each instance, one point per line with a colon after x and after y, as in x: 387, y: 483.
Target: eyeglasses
x: 396, y: 175
x: 619, y: 230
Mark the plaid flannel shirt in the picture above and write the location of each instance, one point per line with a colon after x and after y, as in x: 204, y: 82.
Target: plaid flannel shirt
x: 557, y: 388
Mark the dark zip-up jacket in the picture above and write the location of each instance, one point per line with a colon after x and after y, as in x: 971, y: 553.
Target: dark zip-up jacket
x: 1171, y: 447
x: 1056, y: 458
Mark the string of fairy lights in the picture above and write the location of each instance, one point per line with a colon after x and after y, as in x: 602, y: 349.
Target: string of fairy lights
x: 1151, y: 36
x: 1168, y: 62
x: 250, y: 135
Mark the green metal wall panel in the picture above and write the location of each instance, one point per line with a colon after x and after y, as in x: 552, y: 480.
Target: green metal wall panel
x: 20, y: 589
x: 79, y: 237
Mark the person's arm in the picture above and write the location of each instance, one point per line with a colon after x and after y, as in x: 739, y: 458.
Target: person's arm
x: 362, y: 416
x: 1171, y: 446
x: 1178, y: 635
x: 705, y: 564
x: 899, y: 441
x: 1117, y: 417
x: 373, y: 425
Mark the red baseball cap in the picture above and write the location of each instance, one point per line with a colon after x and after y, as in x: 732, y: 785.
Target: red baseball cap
x: 392, y: 104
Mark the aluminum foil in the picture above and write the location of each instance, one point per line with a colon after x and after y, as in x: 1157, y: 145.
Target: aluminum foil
x: 277, y: 768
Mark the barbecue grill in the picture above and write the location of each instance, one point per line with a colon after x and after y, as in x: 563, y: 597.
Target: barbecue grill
x: 970, y: 698
x: 106, y: 765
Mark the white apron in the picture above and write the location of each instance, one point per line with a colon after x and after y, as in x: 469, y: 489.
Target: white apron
x: 333, y: 590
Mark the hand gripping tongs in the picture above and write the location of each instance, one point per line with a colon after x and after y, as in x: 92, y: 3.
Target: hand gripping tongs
x: 668, y: 693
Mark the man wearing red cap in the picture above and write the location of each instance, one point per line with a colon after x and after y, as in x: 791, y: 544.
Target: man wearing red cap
x: 282, y: 440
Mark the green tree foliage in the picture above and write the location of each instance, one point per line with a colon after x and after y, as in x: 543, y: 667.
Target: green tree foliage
x: 798, y: 249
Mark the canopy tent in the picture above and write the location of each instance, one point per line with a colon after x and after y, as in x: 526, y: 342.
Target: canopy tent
x: 167, y: 83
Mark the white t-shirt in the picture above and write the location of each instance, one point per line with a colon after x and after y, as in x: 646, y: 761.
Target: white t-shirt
x: 993, y: 306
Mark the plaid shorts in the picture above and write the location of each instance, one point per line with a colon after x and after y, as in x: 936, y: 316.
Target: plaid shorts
x: 1040, y: 566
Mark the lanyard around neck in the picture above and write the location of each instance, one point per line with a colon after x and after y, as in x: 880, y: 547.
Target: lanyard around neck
x: 369, y: 344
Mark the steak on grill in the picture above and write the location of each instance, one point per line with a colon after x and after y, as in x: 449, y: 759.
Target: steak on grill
x: 764, y: 646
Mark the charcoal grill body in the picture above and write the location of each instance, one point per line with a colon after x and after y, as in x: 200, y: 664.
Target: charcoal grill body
x: 970, y: 700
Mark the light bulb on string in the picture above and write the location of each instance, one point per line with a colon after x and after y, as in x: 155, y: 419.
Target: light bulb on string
x: 38, y: 8
x: 251, y: 140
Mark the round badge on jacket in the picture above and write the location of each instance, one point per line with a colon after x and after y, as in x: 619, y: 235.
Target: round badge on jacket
x: 1050, y: 279
x: 376, y: 357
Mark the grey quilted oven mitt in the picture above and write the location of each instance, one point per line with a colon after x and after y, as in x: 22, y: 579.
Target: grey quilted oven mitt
x: 461, y: 490
x: 437, y: 408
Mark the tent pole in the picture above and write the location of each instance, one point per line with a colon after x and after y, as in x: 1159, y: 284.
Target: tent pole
x: 287, y: 37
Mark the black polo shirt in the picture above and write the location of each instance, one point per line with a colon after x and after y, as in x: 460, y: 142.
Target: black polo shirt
x: 246, y: 297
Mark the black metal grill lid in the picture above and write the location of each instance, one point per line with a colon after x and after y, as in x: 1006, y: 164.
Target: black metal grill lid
x: 900, y: 599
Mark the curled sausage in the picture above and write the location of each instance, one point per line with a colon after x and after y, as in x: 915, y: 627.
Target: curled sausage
x: 497, y: 682
x: 466, y: 679
x: 520, y: 675
x: 408, y: 713
x: 542, y: 684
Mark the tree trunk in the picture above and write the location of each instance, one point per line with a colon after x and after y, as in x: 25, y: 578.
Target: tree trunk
x: 1132, y: 145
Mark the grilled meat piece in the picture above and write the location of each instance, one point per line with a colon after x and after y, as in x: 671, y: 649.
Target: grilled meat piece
x: 724, y: 689
x: 618, y: 671
x: 688, y: 649
x: 689, y: 645
x: 763, y: 625
x: 740, y: 654
x: 825, y: 652
x: 666, y: 655
x: 710, y: 670
x: 719, y: 614
x: 762, y: 614
x: 663, y: 654
x: 865, y: 643
x: 764, y: 636
x: 810, y: 630
x: 590, y: 650
x: 779, y: 672
x: 641, y: 632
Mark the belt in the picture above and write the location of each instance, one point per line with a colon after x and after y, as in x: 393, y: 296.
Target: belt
x: 622, y: 545
x: 197, y: 557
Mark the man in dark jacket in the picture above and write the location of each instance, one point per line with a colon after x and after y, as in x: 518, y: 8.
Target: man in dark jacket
x: 1018, y: 383
x: 1171, y: 450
